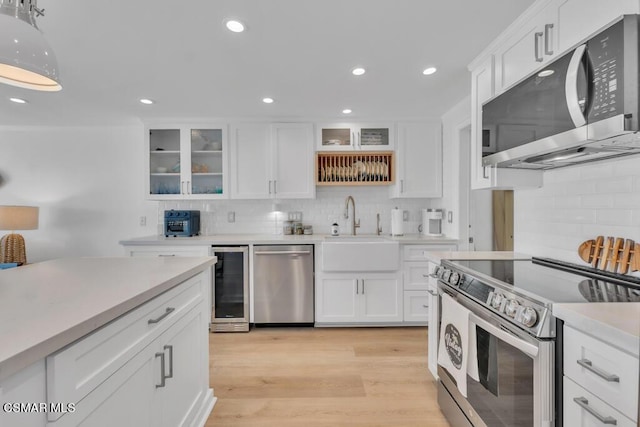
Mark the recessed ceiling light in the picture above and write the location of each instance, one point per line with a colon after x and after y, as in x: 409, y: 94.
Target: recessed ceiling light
x: 267, y: 100
x: 235, y: 26
x: 146, y: 101
x: 358, y: 71
x: 545, y: 73
x: 346, y: 111
x: 18, y: 100
x: 429, y: 71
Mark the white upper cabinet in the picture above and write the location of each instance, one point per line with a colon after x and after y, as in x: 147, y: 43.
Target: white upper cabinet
x: 355, y: 136
x: 531, y: 46
x: 419, y: 161
x: 272, y: 161
x: 293, y: 161
x: 580, y: 19
x: 250, y: 161
x: 186, y: 161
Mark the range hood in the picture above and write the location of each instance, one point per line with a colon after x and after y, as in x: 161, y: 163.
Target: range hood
x: 606, y: 139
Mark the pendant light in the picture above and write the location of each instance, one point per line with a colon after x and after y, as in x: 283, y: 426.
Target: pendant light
x: 26, y: 59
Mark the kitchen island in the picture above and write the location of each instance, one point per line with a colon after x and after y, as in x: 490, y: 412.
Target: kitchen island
x: 82, y: 337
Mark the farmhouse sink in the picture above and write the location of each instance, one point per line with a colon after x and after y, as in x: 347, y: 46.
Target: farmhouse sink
x: 360, y: 253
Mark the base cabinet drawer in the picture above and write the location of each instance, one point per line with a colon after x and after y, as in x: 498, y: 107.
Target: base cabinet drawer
x: 583, y: 409
x: 75, y: 371
x: 607, y: 372
x: 416, y: 306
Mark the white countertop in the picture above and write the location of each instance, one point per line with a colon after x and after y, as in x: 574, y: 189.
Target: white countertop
x: 234, y: 239
x: 438, y: 256
x: 615, y: 323
x: 46, y: 306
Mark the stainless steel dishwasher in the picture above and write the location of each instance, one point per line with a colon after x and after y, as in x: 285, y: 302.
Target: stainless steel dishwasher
x: 283, y: 284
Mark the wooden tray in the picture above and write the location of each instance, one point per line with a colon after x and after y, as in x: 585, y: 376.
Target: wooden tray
x: 612, y: 254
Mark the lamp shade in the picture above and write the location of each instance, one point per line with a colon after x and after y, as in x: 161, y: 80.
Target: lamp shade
x: 26, y: 59
x: 18, y: 218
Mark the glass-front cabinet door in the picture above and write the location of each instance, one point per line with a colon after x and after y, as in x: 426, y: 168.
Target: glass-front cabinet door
x: 344, y: 136
x: 186, y: 162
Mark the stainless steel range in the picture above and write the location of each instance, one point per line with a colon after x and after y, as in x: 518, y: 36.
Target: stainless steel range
x: 519, y: 360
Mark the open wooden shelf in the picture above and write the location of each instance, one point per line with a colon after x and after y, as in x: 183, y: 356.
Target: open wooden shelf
x: 342, y: 168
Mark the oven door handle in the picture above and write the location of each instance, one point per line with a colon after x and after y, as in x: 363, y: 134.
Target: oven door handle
x: 528, y: 348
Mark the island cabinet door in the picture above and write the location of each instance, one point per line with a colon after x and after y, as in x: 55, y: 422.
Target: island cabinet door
x: 126, y: 398
x: 182, y: 391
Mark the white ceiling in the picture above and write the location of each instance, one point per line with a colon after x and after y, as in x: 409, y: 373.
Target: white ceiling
x: 299, y: 52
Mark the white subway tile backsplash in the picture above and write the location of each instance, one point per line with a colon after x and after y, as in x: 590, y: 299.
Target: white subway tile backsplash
x: 255, y: 216
x: 592, y: 201
x: 567, y: 201
x: 576, y: 204
x: 627, y: 200
x: 615, y: 185
x: 614, y: 217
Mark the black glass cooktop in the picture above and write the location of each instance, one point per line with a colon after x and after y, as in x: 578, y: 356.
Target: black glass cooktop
x: 556, y: 285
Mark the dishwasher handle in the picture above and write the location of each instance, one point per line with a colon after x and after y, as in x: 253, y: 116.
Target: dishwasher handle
x: 283, y: 253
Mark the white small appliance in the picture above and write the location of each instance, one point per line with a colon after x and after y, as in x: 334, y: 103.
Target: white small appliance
x: 432, y: 222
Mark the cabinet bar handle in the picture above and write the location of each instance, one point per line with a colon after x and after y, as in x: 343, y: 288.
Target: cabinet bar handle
x: 283, y: 253
x: 269, y: 187
x: 275, y: 187
x: 401, y: 186
x: 536, y: 46
x: 357, y: 286
x: 584, y: 404
x: 484, y: 172
x: 162, y: 316
x: 162, y: 373
x: 425, y: 306
x: 588, y: 365
x: 547, y: 38
x: 182, y: 187
x: 166, y: 255
x: 362, y: 286
x: 170, y: 348
x: 433, y: 276
x: 188, y: 185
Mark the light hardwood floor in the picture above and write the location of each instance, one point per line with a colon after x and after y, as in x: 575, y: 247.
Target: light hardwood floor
x: 323, y: 377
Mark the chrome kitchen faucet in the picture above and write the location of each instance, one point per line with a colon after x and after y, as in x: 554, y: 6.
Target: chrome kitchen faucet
x: 354, y: 224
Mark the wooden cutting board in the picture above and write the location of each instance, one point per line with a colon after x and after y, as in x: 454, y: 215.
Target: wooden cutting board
x: 612, y: 254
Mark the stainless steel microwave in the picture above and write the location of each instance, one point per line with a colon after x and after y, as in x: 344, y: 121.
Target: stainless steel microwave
x: 581, y: 107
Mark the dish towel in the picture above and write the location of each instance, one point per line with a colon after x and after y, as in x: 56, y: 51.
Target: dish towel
x: 457, y: 345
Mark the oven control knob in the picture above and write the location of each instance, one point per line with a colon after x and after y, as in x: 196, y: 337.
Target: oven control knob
x: 446, y: 274
x: 497, y: 301
x: 454, y: 279
x: 529, y: 317
x: 512, y: 308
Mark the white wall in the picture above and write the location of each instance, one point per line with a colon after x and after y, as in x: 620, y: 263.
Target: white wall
x: 576, y: 204
x: 88, y: 183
